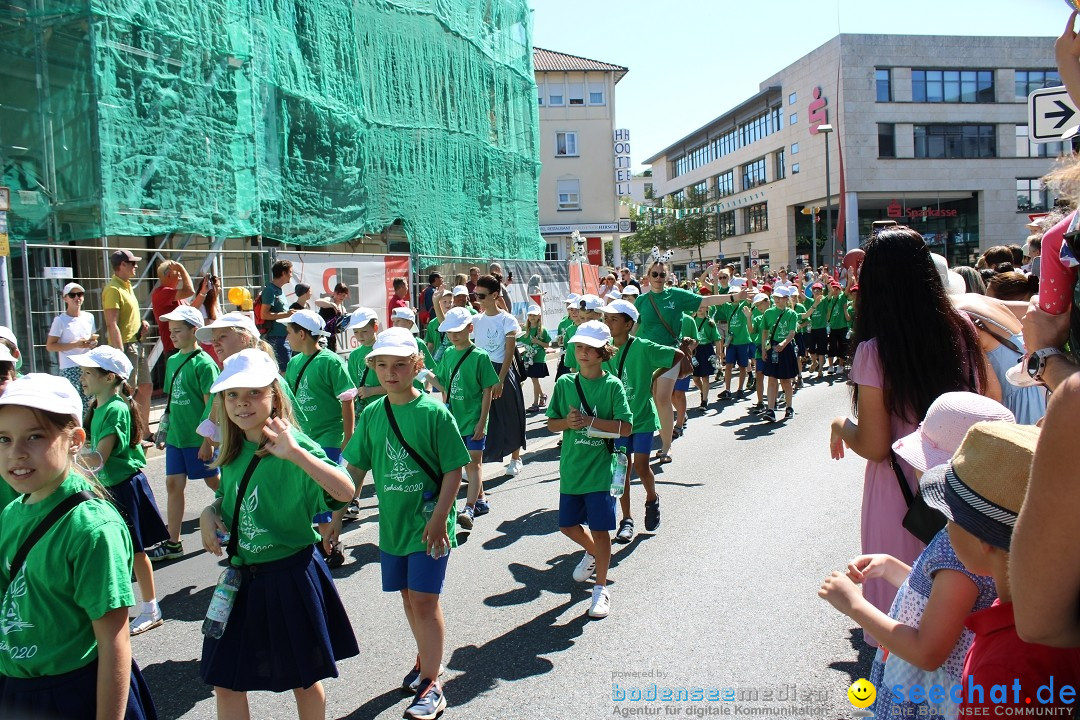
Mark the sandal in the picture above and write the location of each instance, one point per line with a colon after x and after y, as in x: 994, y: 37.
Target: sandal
x: 661, y: 457
x: 543, y: 401
x: 532, y: 409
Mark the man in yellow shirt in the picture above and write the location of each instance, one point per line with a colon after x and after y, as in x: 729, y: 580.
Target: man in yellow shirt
x: 124, y: 326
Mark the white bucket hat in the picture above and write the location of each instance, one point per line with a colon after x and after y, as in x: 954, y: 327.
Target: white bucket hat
x: 235, y: 320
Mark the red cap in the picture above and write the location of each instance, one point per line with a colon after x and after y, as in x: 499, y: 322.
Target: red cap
x: 817, y: 286
x: 766, y: 288
x: 704, y: 290
x: 854, y: 288
x: 835, y: 284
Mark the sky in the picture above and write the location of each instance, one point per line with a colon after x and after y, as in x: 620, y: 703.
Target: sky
x: 691, y: 60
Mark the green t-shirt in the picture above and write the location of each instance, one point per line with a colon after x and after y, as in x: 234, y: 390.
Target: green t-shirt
x: 707, y: 332
x: 755, y: 329
x: 438, y: 340
x: 186, y: 405
x: 687, y: 327
x: 738, y: 325
x: 564, y: 332
x: 778, y: 324
x: 77, y: 572
x: 851, y: 313
x: 7, y: 494
x: 529, y: 340
x: 475, y: 375
x: 325, y: 378
x: 721, y: 314
x: 114, y: 418
x: 803, y: 325
x: 361, y: 375
x: 275, y: 515
x: 643, y: 358
x: 400, y: 483
x: 672, y: 303
x: 274, y: 296
x: 819, y: 314
x: 585, y: 463
x: 837, y: 320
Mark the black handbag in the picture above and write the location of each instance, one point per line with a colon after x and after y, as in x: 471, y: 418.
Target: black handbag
x: 921, y: 520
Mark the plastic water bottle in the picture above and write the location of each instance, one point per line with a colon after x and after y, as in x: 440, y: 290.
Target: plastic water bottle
x: 162, y: 431
x: 618, y: 478
x: 221, y: 604
x: 427, y: 510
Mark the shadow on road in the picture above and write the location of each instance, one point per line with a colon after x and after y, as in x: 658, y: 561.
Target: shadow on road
x: 376, y: 706
x: 535, y: 522
x: 357, y: 557
x: 184, y: 686
x: 557, y: 577
x: 860, y: 666
x: 184, y: 604
x: 621, y: 552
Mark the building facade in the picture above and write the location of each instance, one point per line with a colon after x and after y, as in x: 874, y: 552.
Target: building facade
x: 930, y: 131
x: 576, y: 97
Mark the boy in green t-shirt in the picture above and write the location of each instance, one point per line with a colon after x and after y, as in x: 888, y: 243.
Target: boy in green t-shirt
x: 588, y: 309
x: 817, y: 312
x: 589, y: 409
x: 740, y: 346
x: 707, y: 354
x: 464, y: 375
x: 838, y: 328
x: 320, y: 381
x: 634, y: 362
x: 778, y: 350
x: 760, y: 305
x: 364, y: 328
x: 721, y: 315
x: 411, y: 445
x: 436, y: 341
x: 566, y: 331
x: 189, y: 373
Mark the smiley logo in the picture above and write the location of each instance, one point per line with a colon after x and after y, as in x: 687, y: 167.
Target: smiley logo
x: 861, y: 693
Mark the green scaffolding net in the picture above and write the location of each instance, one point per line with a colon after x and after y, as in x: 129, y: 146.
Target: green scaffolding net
x: 311, y: 122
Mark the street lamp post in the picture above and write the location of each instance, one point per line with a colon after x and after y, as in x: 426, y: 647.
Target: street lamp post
x: 812, y: 212
x: 826, y: 130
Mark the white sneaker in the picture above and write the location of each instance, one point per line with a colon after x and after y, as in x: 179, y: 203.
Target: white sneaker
x: 352, y: 512
x: 585, y: 568
x: 514, y: 467
x: 146, y: 620
x: 601, y: 603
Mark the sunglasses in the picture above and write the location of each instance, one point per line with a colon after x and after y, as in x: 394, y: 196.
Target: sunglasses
x: 658, y: 274
x: 480, y: 296
x: 75, y: 294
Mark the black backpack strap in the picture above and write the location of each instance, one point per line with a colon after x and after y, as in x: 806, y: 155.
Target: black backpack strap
x: 904, y: 488
x: 234, y: 537
x: 303, y: 368
x: 168, y: 397
x: 622, y: 360
x: 437, y: 479
x: 62, y: 509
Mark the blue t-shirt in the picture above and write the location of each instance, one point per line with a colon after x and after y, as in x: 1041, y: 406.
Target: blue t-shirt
x: 273, y: 296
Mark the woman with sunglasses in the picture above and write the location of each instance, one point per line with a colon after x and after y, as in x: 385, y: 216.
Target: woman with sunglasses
x: 73, y: 332
x: 661, y: 310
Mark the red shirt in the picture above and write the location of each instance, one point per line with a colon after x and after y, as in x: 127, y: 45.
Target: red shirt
x: 163, y: 301
x: 999, y: 657
x: 395, y: 302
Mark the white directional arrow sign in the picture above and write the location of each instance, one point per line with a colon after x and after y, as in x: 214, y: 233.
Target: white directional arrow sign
x: 1050, y: 113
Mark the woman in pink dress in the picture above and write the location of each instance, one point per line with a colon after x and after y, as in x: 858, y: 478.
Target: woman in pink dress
x: 910, y: 347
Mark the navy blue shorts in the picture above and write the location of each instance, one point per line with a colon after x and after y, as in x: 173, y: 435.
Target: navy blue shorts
x: 637, y: 444
x: 802, y: 342
x: 185, y: 461
x: 135, y: 501
x: 595, y: 509
x: 471, y: 444
x: 706, y: 360
x: 819, y: 341
x: 334, y: 453
x: 762, y: 366
x: 287, y: 628
x: 417, y: 572
x: 70, y: 695
x: 739, y: 354
x: 684, y: 384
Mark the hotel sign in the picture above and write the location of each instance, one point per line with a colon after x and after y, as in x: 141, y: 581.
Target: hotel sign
x: 580, y: 227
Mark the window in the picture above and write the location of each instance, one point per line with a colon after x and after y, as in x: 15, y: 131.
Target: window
x: 647, y: 187
x: 1026, y: 148
x: 566, y: 144
x: 540, y: 94
x: 725, y: 224
x: 596, y: 93
x: 883, y: 79
x: 1031, y: 195
x: 757, y: 217
x: 795, y: 168
x: 955, y: 141
x: 749, y: 132
x: 792, y: 98
x: 952, y: 86
x: 794, y: 148
x: 886, y: 140
x: 753, y: 174
x: 698, y: 191
x: 551, y: 251
x: 780, y: 170
x: 569, y: 194
x: 793, y: 118
x: 725, y: 184
x: 555, y: 95
x: 576, y: 93
x: 1028, y: 81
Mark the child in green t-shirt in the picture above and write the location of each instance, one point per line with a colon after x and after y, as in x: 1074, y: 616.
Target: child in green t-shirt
x: 114, y: 445
x: 411, y: 445
x: 760, y: 305
x: 707, y: 354
x: 778, y: 351
x: 567, y: 326
x: 465, y: 375
x: 536, y: 341
x: 436, y: 341
x: 589, y: 402
x: 189, y: 373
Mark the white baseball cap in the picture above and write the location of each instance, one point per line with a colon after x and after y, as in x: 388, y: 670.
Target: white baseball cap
x: 631, y: 290
x: 534, y: 310
x: 105, y: 357
x: 249, y: 368
x: 360, y: 317
x: 185, y: 313
x: 72, y: 286
x: 5, y: 354
x: 50, y: 393
x: 589, y: 302
x: 309, y: 320
x: 455, y: 320
x: 234, y: 320
x: 613, y: 295
x: 780, y: 291
x: 621, y: 306
x: 592, y: 333
x: 7, y: 334
x: 461, y: 290
x: 404, y: 313
x: 760, y: 297
x: 737, y: 282
x: 396, y: 342
x: 572, y: 298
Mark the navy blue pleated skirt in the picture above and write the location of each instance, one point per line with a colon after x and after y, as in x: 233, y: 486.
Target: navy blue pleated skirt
x: 287, y: 629
x: 71, y: 696
x: 137, y: 505
x: 706, y: 365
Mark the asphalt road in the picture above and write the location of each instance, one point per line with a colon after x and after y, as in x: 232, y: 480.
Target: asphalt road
x: 721, y: 598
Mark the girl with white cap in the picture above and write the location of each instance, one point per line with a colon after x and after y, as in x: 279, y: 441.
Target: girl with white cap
x: 64, y: 595
x: 536, y: 340
x: 287, y: 626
